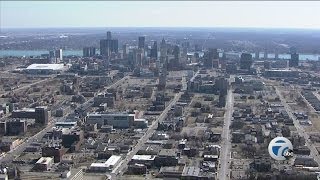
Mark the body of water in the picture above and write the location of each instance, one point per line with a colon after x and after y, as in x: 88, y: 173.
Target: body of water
x: 26, y: 53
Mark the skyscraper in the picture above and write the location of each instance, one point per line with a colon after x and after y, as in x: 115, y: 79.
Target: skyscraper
x: 163, y: 48
x: 210, y: 56
x: 125, y: 50
x: 58, y: 55
x: 265, y: 54
x: 114, y: 45
x: 89, y: 51
x: 257, y: 55
x: 294, y: 60
x: 85, y: 52
x: 141, y: 43
x: 105, y: 47
x: 176, y: 53
x: 245, y: 61
x: 154, y: 50
x: 109, y: 35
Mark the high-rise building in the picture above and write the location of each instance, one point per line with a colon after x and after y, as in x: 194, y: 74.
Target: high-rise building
x: 125, y: 50
x: 176, y: 53
x: 114, y: 45
x: 41, y: 115
x: 138, y: 57
x: 163, y: 76
x: 141, y: 43
x: 294, y: 60
x: 265, y: 54
x: 209, y: 57
x: 257, y: 55
x: 163, y: 48
x: 89, y: 51
x: 109, y: 35
x: 245, y: 61
x: 58, y: 55
x: 154, y: 50
x: 105, y: 47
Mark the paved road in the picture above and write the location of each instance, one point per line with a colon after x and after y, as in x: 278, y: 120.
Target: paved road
x: 8, y: 157
x: 224, y: 171
x: 120, y: 168
x: 314, y: 153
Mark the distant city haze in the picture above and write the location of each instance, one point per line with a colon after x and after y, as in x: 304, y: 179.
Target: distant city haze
x: 270, y: 14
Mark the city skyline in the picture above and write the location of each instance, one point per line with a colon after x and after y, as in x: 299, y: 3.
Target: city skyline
x: 244, y: 14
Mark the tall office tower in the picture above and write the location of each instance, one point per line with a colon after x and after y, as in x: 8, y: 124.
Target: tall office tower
x: 58, y: 55
x: 185, y: 47
x: 257, y: 55
x: 138, y: 56
x: 141, y: 43
x: 265, y: 54
x: 154, y: 50
x: 163, y: 48
x: 41, y: 115
x: 52, y: 58
x: 245, y: 61
x: 109, y: 35
x: 125, y: 50
x: 105, y: 47
x: 209, y: 57
x: 114, y: 45
x: 92, y: 51
x: 86, y: 52
x: 176, y: 53
x: 163, y: 76
x: 294, y: 60
x: 131, y: 59
x: 89, y: 51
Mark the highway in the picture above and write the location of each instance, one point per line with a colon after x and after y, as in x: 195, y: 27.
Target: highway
x: 224, y: 159
x: 9, y: 156
x: 119, y: 169
x: 314, y: 153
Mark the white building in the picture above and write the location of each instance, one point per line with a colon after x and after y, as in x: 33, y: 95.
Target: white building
x: 106, y: 166
x: 44, y: 163
x: 116, y: 120
x: 58, y: 55
x: 46, y: 68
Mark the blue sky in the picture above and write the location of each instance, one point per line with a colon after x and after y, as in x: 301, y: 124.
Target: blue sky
x: 270, y: 14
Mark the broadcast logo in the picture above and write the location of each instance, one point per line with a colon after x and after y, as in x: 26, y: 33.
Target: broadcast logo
x: 280, y: 148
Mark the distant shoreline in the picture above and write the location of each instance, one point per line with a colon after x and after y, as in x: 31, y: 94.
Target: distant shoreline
x: 28, y: 53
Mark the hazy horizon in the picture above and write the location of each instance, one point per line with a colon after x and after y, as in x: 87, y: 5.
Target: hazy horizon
x: 167, y: 14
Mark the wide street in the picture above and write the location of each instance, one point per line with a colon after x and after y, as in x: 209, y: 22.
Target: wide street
x: 224, y: 170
